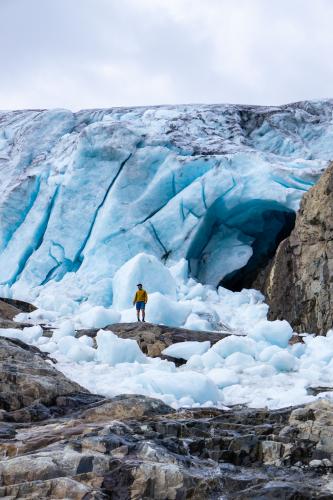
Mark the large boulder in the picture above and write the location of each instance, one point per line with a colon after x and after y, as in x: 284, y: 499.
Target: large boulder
x: 28, y: 379
x: 9, y: 308
x: 298, y: 285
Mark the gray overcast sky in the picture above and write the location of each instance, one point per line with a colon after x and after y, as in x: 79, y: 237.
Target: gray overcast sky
x: 102, y: 53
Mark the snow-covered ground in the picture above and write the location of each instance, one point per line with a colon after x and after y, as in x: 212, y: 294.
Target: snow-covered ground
x: 177, y: 197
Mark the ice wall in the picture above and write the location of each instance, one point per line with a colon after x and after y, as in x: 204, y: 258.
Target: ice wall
x: 82, y: 193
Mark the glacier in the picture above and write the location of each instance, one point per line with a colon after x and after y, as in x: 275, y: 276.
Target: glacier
x: 191, y: 200
x: 203, y: 189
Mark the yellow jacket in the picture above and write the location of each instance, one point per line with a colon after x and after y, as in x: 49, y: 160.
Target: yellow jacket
x: 140, y: 296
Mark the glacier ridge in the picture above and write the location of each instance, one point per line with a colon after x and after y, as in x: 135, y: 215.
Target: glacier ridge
x: 206, y: 185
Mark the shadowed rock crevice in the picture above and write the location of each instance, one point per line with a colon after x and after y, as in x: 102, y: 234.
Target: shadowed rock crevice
x: 298, y: 283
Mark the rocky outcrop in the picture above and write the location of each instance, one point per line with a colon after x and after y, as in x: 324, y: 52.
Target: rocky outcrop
x: 152, y: 339
x: 9, y: 308
x: 298, y: 284
x: 134, y: 447
x: 30, y: 387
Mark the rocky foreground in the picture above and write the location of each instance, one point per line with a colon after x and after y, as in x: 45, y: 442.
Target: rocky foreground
x: 59, y: 441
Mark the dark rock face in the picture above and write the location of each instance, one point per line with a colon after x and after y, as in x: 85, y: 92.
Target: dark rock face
x: 10, y: 308
x: 298, y: 283
x: 137, y: 447
x: 20, y: 305
x: 29, y: 384
x: 75, y: 445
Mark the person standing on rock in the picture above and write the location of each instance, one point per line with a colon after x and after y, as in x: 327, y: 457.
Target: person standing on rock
x: 140, y: 301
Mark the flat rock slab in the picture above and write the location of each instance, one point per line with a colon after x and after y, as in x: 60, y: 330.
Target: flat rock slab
x: 152, y: 339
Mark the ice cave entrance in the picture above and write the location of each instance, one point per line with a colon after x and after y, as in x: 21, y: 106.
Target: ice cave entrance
x: 231, y: 246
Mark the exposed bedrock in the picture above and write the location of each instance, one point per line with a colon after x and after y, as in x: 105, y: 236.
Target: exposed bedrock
x: 299, y: 281
x: 30, y: 387
x: 135, y: 447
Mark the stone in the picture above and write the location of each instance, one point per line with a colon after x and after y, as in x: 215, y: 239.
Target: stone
x: 127, y: 407
x: 28, y: 379
x: 298, y: 282
x: 78, y: 445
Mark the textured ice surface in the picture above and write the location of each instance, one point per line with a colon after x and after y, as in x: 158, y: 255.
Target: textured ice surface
x: 187, y: 349
x: 83, y: 193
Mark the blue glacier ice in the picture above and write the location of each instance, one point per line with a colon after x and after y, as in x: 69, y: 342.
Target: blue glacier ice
x: 84, y: 193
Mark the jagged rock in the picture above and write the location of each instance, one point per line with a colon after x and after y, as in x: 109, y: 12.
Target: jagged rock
x: 9, y: 308
x: 76, y: 445
x: 20, y: 305
x: 152, y: 339
x: 126, y: 407
x: 7, y: 311
x: 153, y: 452
x: 298, y: 284
x: 28, y: 381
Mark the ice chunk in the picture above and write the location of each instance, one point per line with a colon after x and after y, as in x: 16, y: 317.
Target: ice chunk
x: 49, y: 347
x: 264, y: 370
x: 284, y: 361
x: 86, y: 340
x: 32, y: 334
x: 11, y: 333
x: 267, y: 353
x: 195, y: 363
x: 66, y: 328
x: 194, y: 322
x: 233, y: 344
x: 223, y: 377
x: 197, y: 291
x: 98, y: 317
x: 179, y: 271
x: 145, y: 269
x: 211, y: 359
x: 238, y: 361
x: 113, y: 350
x: 162, y: 310
x: 185, y: 350
x: 65, y: 343
x: 180, y: 384
x: 275, y: 332
x: 81, y: 352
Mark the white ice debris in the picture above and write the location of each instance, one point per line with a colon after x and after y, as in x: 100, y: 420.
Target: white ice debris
x: 185, y: 350
x: 98, y: 317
